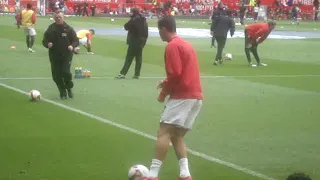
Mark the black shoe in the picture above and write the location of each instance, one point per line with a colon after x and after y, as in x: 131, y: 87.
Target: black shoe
x: 70, y: 94
x: 135, y: 77
x: 63, y: 95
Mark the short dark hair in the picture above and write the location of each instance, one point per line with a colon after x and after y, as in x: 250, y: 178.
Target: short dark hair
x: 92, y: 30
x: 29, y: 6
x: 298, y: 176
x: 272, y: 23
x: 167, y: 22
x: 135, y: 11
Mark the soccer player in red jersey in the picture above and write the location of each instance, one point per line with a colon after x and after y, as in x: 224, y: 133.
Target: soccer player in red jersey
x: 183, y: 87
x: 254, y: 35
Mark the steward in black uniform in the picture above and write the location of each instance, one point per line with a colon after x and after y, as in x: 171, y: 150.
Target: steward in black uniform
x: 220, y: 29
x: 242, y: 12
x: 61, y: 39
x: 137, y: 28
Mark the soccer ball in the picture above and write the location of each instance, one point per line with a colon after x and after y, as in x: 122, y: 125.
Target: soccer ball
x: 228, y: 56
x: 137, y: 172
x: 35, y: 95
x: 76, y: 50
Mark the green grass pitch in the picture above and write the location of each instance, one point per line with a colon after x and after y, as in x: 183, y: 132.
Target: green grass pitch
x: 265, y: 121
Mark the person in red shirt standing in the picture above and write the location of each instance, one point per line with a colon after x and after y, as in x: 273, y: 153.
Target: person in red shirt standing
x: 183, y: 87
x: 255, y: 34
x: 18, y: 18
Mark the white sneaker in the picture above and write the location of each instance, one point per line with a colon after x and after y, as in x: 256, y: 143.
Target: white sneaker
x: 31, y: 50
x: 120, y: 76
x: 252, y: 65
x: 262, y: 64
x: 91, y: 53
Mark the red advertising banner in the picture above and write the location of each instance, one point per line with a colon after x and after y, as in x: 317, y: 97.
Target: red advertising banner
x: 109, y: 5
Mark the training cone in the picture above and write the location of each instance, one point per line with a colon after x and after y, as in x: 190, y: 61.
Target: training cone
x: 13, y: 47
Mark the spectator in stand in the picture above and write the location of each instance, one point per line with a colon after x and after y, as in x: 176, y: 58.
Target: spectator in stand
x: 85, y: 9
x: 316, y: 9
x: 78, y: 10
x: 242, y: 12
x: 255, y: 13
x: 93, y: 9
x: 294, y: 14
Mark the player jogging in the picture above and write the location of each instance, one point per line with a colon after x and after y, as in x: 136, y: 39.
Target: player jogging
x: 255, y: 34
x: 85, y: 39
x: 184, y: 88
x: 28, y: 19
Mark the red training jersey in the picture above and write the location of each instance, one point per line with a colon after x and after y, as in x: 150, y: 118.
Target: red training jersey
x: 257, y: 30
x: 89, y: 36
x: 18, y: 19
x: 183, y: 76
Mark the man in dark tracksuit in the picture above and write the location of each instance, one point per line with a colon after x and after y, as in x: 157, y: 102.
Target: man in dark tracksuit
x: 220, y: 30
x: 137, y: 28
x: 215, y: 15
x: 217, y: 12
x: 61, y: 39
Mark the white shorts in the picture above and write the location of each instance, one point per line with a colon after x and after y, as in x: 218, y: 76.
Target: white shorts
x: 30, y: 31
x: 83, y: 41
x: 181, y: 112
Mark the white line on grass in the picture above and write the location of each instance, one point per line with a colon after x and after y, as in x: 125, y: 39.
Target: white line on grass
x: 199, y: 154
x: 159, y: 77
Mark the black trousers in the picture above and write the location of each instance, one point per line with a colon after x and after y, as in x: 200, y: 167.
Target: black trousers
x: 85, y: 12
x: 213, y: 39
x: 221, y: 41
x: 134, y: 51
x: 249, y: 46
x: 60, y: 69
x: 242, y: 19
x: 93, y: 12
x: 255, y: 16
x: 78, y: 12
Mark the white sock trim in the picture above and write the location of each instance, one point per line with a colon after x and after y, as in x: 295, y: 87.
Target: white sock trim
x: 155, y: 168
x: 184, y: 167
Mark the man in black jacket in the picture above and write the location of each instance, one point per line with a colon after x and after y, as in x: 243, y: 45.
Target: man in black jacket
x: 61, y: 39
x: 219, y: 29
x: 217, y: 12
x: 137, y: 28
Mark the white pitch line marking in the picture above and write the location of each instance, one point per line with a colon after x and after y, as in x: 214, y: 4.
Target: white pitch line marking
x: 112, y: 123
x: 159, y: 77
